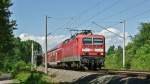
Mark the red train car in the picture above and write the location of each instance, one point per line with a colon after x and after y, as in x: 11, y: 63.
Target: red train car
x: 83, y: 50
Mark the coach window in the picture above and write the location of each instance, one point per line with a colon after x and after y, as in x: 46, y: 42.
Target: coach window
x: 87, y: 41
x: 97, y: 41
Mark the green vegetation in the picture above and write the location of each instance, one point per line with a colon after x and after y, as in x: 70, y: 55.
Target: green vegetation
x: 137, y: 52
x: 6, y: 34
x: 114, y: 58
x: 23, y: 76
x: 15, y: 55
x: 0, y: 73
x: 26, y: 77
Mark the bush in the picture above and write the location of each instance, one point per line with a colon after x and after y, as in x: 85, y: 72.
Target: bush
x: 0, y: 73
x: 23, y: 76
x: 141, y: 60
x: 141, y: 63
x: 113, y: 62
x: 33, y: 78
x: 7, y: 66
x: 19, y: 67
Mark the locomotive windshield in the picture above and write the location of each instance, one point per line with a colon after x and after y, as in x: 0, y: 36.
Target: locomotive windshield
x: 87, y: 41
x: 97, y: 41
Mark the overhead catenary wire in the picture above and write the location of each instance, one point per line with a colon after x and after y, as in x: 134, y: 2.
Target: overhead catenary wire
x: 126, y: 9
x: 135, y: 16
x: 110, y: 26
x: 87, y: 10
x: 90, y: 8
x: 62, y: 26
x: 79, y: 15
x: 106, y: 29
x: 100, y: 12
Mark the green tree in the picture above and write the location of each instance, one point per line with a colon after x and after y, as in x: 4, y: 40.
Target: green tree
x: 114, y: 60
x: 111, y: 50
x: 141, y: 59
x: 22, y: 49
x: 6, y: 32
x: 27, y: 49
x: 137, y: 51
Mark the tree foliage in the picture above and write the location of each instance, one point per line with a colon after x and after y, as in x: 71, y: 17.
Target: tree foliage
x: 137, y: 51
x: 12, y: 49
x: 6, y: 27
x: 114, y: 59
x: 141, y: 48
x: 111, y: 50
x: 22, y: 49
x: 15, y: 55
x: 6, y: 32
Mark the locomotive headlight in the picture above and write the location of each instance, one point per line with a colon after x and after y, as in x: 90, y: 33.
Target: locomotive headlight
x: 99, y: 50
x: 86, y: 49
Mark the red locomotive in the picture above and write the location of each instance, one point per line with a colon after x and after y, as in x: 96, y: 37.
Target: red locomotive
x: 83, y: 50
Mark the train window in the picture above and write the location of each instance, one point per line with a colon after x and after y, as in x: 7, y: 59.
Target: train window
x: 97, y: 41
x: 87, y: 41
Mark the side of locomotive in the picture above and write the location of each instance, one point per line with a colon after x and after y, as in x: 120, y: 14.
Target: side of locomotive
x: 81, y: 51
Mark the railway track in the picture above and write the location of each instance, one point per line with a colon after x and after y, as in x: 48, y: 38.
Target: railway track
x: 132, y: 73
x: 124, y: 73
x: 63, y: 75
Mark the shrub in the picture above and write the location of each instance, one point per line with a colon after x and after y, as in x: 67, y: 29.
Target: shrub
x: 0, y: 73
x: 141, y: 59
x: 33, y: 77
x: 113, y: 62
x: 23, y: 76
x: 19, y: 67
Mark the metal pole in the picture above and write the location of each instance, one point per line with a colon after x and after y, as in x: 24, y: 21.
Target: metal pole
x: 35, y: 59
x: 46, y: 45
x: 124, y: 23
x: 32, y: 58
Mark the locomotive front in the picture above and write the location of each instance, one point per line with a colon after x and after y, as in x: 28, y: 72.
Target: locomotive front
x: 92, y: 51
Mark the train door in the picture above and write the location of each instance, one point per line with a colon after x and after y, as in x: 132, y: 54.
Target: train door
x: 59, y: 55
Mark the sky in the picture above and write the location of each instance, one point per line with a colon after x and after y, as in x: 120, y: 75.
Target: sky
x: 77, y: 14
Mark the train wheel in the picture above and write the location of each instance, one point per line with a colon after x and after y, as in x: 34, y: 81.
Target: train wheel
x: 69, y: 65
x: 100, y: 67
x: 48, y: 66
x: 83, y: 67
x: 77, y: 66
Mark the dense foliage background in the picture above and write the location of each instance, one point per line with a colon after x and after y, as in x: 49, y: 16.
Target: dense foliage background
x: 15, y: 55
x: 137, y: 51
x: 12, y: 49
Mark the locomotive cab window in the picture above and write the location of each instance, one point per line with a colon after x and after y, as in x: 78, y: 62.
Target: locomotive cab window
x: 97, y: 41
x: 87, y: 41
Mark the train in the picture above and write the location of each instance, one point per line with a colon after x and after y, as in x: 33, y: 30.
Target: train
x: 84, y: 50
